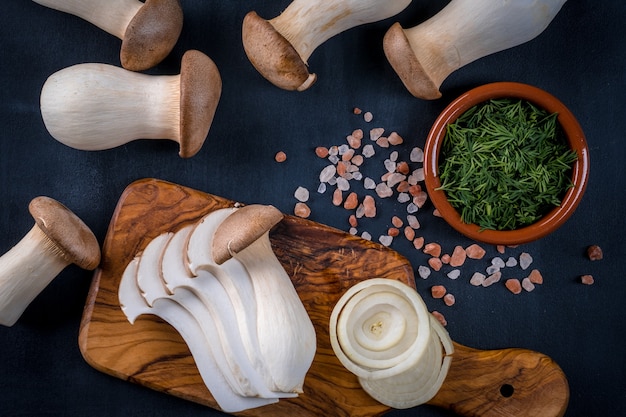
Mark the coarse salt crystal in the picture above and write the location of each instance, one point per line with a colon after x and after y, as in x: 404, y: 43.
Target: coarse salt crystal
x: 351, y: 202
x: 343, y: 184
x: 368, y: 151
x: 491, y: 269
x: 357, y: 134
x: 418, y: 174
x: 513, y: 285
x: 376, y: 133
x: 528, y: 285
x: 301, y: 194
x: 423, y: 271
x: 454, y: 274
x: 369, y: 184
x: 413, y: 222
x: 386, y: 240
x: 437, y: 291
x: 417, y: 155
x: 322, y: 188
x: 357, y: 176
x: 302, y: 210
x: 395, y: 139
x: 475, y: 251
x: 477, y: 279
x: 449, y: 300
x: 370, y: 206
x: 492, y: 279
x: 525, y: 260
x: 511, y: 262
x: 383, y: 142
x: 353, y: 231
x: 366, y: 236
x: 403, y: 198
x: 368, y: 116
x: 390, y: 166
x: 497, y: 261
x: 360, y: 211
x: 328, y: 173
x: 411, y: 208
x: 393, y: 156
x: 383, y: 190
x: 333, y: 159
x: 395, y: 179
x: 337, y: 197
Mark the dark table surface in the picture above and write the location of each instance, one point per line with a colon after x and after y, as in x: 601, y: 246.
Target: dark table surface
x: 579, y: 58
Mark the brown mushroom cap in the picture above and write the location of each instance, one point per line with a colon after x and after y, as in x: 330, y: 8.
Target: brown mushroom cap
x: 200, y: 91
x: 404, y: 62
x: 242, y: 228
x: 74, y: 240
x: 151, y: 34
x: 273, y: 56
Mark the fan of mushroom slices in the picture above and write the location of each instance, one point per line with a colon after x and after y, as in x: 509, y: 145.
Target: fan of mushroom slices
x: 208, y: 275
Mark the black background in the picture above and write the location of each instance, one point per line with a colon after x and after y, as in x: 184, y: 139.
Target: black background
x: 579, y: 58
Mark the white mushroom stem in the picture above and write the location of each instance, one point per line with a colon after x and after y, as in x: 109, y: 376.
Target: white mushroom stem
x: 462, y: 32
x: 148, y: 30
x: 303, y: 26
x: 112, y: 16
x: 381, y: 331
x: 99, y: 106
x: 57, y: 239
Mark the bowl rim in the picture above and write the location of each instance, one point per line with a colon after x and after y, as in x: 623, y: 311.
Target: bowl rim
x: 575, y: 138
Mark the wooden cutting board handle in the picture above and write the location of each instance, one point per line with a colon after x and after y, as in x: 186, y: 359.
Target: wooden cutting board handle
x: 506, y: 382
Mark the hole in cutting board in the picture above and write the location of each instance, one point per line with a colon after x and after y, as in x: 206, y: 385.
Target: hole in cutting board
x: 506, y: 390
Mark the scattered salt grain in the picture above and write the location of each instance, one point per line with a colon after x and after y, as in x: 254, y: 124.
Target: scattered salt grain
x: 383, y: 142
x: 357, y: 176
x: 368, y: 151
x: 357, y: 134
x: 353, y: 220
x: 403, y: 198
x: 357, y: 160
x: 498, y: 262
x: 321, y: 151
x: 394, y: 156
x: 343, y: 184
x: 423, y: 271
x: 513, y: 285
x: 418, y: 242
x: 535, y: 277
x: 302, y: 210
x: 368, y: 116
x: 475, y: 251
x: 337, y: 197
x: 458, y: 256
x: 411, y: 208
x: 437, y: 291
x: 432, y: 249
x: 333, y: 159
x: 328, y: 173
x: 353, y: 231
x: 383, y: 190
x: 366, y: 236
x: 525, y: 260
x: 511, y: 262
x: 280, y: 156
x: 413, y: 222
x: 390, y: 166
x: 395, y: 139
x: 395, y: 179
x: 397, y: 221
x: 418, y: 174
x: 594, y: 253
x: 370, y: 206
x: 352, y: 201
x: 500, y: 248
x: 393, y: 231
x: 435, y: 263
x: 322, y: 188
x: 477, y: 279
x: 420, y: 199
x: 376, y: 133
x: 386, y: 240
x: 528, y: 285
x: 356, y: 110
x: 301, y: 194
x: 454, y: 274
x: 491, y: 269
x: 587, y: 279
x: 492, y: 279
x: 417, y: 155
x: 403, y: 168
x: 369, y: 183
x: 409, y: 233
x: 360, y: 211
x: 449, y: 300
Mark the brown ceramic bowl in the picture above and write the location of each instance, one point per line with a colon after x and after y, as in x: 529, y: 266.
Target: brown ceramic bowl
x: 573, y: 133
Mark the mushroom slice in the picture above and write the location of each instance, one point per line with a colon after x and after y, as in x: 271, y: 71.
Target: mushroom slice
x: 209, y: 303
x: 133, y: 305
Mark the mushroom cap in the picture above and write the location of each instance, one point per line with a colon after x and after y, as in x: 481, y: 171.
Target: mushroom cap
x: 273, y: 56
x: 151, y: 34
x: 75, y: 241
x: 404, y: 62
x: 241, y: 228
x: 200, y: 91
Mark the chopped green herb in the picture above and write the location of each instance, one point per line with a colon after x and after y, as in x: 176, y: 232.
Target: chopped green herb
x: 504, y: 163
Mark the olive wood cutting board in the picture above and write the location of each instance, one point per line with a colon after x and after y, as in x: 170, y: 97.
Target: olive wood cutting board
x: 323, y: 263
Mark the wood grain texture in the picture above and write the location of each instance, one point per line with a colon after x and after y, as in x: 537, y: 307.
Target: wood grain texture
x: 323, y: 263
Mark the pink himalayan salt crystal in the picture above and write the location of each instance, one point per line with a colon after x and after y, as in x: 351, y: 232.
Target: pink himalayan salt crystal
x: 587, y: 279
x: 527, y: 285
x: 355, y: 143
x: 440, y: 318
x: 395, y: 139
x: 477, y: 279
x: 449, y: 299
x: 594, y: 253
x: 357, y: 160
x: 302, y: 210
x: 513, y: 285
x: 321, y: 151
x: 366, y: 236
x: 535, y: 277
x: 454, y: 274
x: 376, y: 133
x: 395, y: 179
x: 369, y: 184
x: 347, y: 155
x: 357, y: 134
x: 383, y: 190
x: 352, y: 201
x: 353, y: 220
x: 423, y: 271
x: 368, y: 116
x: 327, y: 173
x: 383, y: 142
x: 397, y: 221
x: 420, y: 199
x: 413, y: 222
x: 432, y: 249
x: 393, y: 232
x: 403, y: 186
x: 418, y: 242
x: 438, y: 291
x: 386, y: 240
x: 500, y: 248
x: 445, y: 259
x: 280, y: 156
x: 409, y: 233
x: 525, y: 260
x: 492, y: 279
x: 436, y: 213
x: 417, y: 155
x: 370, y: 206
x: 435, y: 263
x: 403, y: 168
x: 368, y: 151
x: 337, y: 197
x: 458, y: 256
x: 475, y: 251
x: 301, y: 194
x: 356, y: 110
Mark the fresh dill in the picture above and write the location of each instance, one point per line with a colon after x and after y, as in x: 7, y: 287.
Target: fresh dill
x: 504, y: 163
